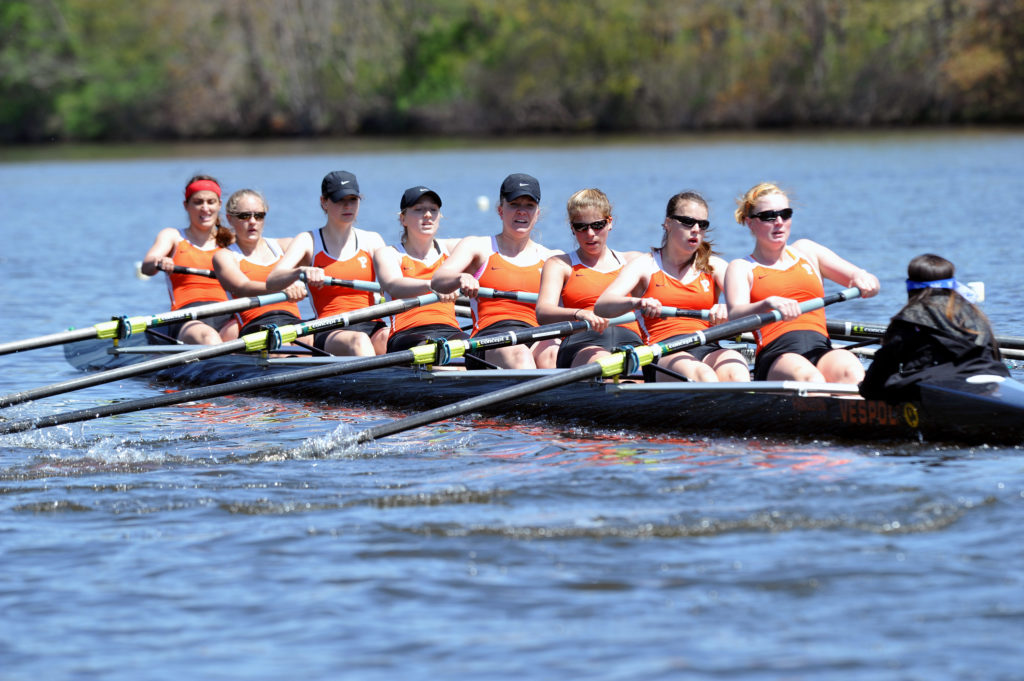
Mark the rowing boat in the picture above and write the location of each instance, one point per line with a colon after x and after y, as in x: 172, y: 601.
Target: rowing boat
x: 980, y: 411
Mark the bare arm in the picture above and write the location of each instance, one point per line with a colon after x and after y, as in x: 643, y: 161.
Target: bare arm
x: 235, y: 282
x: 623, y: 294
x: 837, y: 269
x: 298, y: 256
x: 158, y: 257
x: 454, y: 275
x: 388, y: 264
x: 552, y: 278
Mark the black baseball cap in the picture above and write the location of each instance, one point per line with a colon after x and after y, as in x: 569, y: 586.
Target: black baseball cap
x: 414, y: 194
x: 520, y: 184
x: 339, y: 184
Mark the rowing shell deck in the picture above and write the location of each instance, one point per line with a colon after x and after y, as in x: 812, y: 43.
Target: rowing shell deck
x: 979, y: 412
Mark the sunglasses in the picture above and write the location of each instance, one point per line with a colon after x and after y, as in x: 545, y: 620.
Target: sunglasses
x: 687, y: 221
x: 584, y: 226
x: 248, y: 214
x: 770, y: 215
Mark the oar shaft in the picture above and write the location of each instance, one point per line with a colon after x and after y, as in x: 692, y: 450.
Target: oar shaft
x: 141, y: 323
x: 857, y: 330
x: 48, y: 340
x: 479, y: 402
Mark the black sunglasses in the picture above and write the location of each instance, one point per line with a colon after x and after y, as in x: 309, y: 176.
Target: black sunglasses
x: 687, y: 221
x: 770, y: 215
x: 249, y: 214
x: 584, y: 226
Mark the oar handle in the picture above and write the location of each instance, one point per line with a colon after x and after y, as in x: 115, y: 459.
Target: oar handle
x: 693, y: 314
x: 521, y: 296
x: 355, y: 284
x: 179, y: 269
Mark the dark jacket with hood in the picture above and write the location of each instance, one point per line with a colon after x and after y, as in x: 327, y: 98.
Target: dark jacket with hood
x: 922, y: 345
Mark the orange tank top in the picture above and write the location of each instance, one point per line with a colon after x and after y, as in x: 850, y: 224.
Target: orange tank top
x: 186, y: 289
x: 435, y: 313
x: 502, y: 275
x: 332, y: 300
x: 585, y: 285
x: 257, y: 272
x: 800, y: 281
x: 698, y: 294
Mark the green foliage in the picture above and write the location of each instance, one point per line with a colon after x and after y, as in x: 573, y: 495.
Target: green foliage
x: 102, y: 69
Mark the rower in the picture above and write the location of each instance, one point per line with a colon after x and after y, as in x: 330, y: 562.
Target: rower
x: 194, y: 247
x: 404, y: 271
x: 683, y: 272
x: 778, y: 276
x: 571, y: 283
x: 243, y: 267
x: 338, y: 250
x: 940, y: 334
x: 508, y: 261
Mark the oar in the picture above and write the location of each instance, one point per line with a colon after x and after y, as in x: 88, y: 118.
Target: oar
x: 179, y: 269
x: 252, y: 342
x: 420, y: 354
x: 119, y: 327
x: 609, y: 366
x: 847, y: 330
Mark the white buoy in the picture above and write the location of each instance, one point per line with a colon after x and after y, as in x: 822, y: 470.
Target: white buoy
x: 483, y: 203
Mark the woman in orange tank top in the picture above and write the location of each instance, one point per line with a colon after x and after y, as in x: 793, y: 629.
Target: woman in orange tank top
x: 340, y: 250
x: 779, y: 276
x: 242, y: 268
x: 405, y: 270
x: 571, y: 283
x: 683, y: 273
x: 509, y: 261
x: 194, y: 247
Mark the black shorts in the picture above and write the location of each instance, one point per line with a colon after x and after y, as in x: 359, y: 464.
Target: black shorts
x: 810, y: 345
x: 369, y: 328
x: 276, y: 317
x: 504, y: 325
x: 417, y: 335
x: 217, y: 322
x: 496, y: 327
x: 611, y: 338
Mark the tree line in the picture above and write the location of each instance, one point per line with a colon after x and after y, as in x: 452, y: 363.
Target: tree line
x: 174, y: 69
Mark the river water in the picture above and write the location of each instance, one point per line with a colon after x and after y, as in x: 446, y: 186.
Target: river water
x: 214, y: 540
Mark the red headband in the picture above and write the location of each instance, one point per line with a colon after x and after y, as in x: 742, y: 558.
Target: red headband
x: 202, y: 186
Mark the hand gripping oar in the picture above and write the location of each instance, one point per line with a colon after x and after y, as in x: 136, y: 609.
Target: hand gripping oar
x: 612, y: 365
x: 120, y: 327
x: 847, y: 330
x: 420, y: 354
x: 260, y: 340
